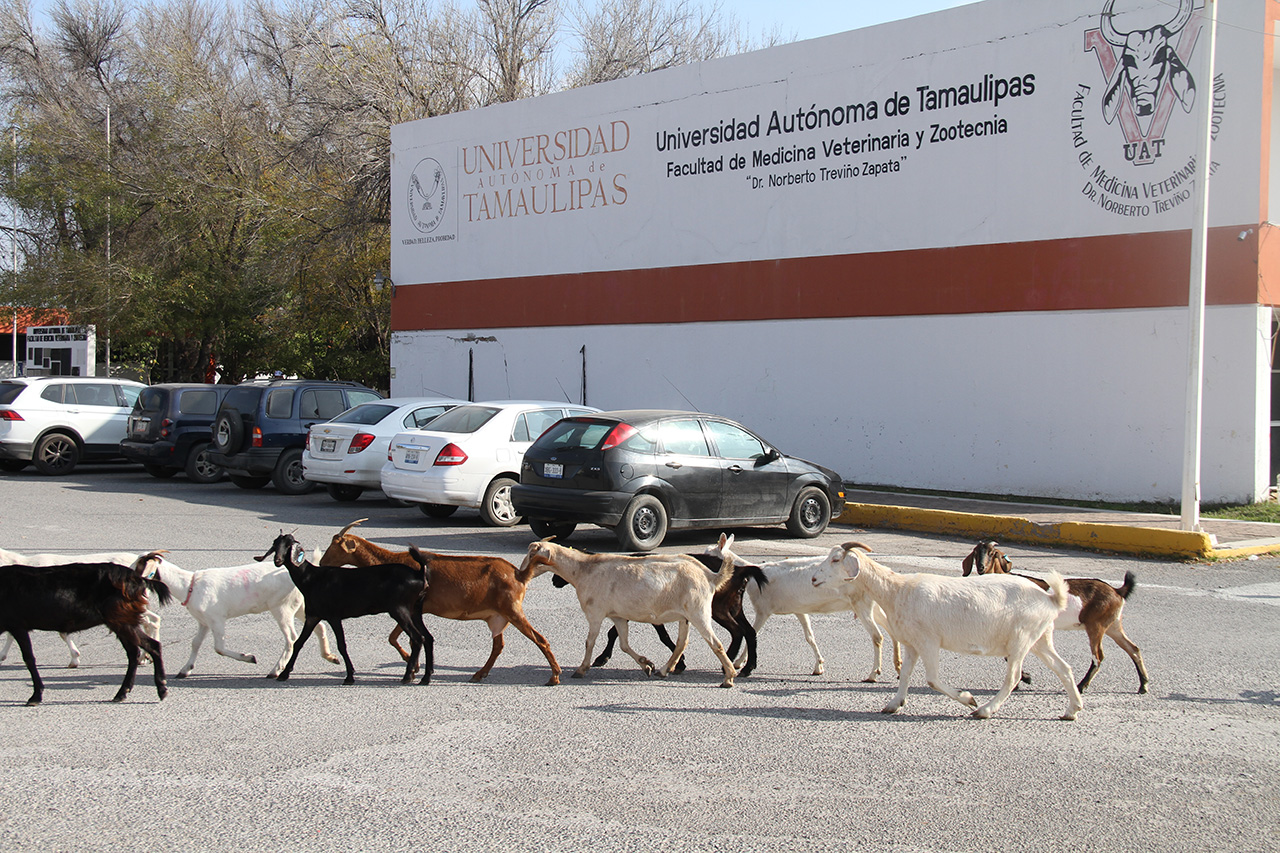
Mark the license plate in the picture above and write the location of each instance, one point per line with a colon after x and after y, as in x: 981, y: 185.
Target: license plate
x: 553, y: 470
x: 411, y: 457
x: 328, y: 445
x: 140, y: 425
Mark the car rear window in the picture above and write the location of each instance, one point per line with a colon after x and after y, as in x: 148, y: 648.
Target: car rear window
x: 464, y: 419
x: 280, y: 402
x: 576, y: 434
x: 198, y: 402
x: 151, y: 400
x: 366, y: 415
x: 9, y: 391
x: 243, y: 400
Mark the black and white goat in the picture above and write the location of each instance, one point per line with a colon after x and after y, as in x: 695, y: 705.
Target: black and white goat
x: 334, y: 593
x: 75, y: 596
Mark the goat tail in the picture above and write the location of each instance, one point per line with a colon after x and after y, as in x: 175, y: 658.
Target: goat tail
x: 1130, y: 583
x: 159, y: 590
x: 1057, y: 590
x: 752, y: 573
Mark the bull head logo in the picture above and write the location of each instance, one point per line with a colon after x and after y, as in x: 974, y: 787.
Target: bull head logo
x: 1145, y: 74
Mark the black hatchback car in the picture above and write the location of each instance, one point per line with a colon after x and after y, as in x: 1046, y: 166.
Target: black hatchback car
x: 170, y: 428
x: 644, y: 472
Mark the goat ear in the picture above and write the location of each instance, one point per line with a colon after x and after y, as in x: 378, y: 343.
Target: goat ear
x: 967, y: 563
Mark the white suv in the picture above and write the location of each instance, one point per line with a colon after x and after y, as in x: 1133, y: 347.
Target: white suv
x: 54, y: 422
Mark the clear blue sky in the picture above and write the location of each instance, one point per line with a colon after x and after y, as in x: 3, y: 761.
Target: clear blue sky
x: 812, y: 18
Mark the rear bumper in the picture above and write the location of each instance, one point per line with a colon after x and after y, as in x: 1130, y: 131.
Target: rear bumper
x: 553, y: 504
x: 256, y: 462
x: 20, y: 450
x: 342, y: 471
x: 150, y: 452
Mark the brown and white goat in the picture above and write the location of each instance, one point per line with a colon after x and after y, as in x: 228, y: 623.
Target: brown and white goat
x: 654, y: 588
x: 462, y: 587
x: 1095, y: 607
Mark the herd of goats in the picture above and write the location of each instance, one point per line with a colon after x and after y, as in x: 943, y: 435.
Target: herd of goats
x: 999, y: 613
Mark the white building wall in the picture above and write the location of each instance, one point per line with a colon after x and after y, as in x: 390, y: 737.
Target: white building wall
x: 1083, y: 405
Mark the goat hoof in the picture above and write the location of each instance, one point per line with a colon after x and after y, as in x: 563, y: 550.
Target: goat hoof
x: 251, y: 659
x: 75, y: 664
x: 1142, y: 690
x: 728, y: 683
x: 982, y: 714
x: 477, y: 678
x: 34, y: 700
x: 162, y: 692
x: 348, y: 680
x: 554, y: 680
x: 181, y: 675
x: 284, y: 676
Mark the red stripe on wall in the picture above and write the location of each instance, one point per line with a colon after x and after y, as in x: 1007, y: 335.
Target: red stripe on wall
x: 1091, y: 273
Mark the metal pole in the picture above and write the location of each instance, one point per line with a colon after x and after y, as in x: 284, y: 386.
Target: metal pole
x: 1192, y: 439
x: 14, y: 293
x: 108, y: 240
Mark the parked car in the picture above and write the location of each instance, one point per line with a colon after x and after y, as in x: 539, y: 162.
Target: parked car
x: 347, y: 453
x: 469, y: 457
x: 642, y: 473
x: 170, y: 429
x: 55, y: 422
x: 261, y: 428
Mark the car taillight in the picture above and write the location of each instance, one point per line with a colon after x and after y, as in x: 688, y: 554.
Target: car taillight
x: 257, y: 437
x: 164, y: 427
x: 617, y: 435
x: 359, y: 442
x: 7, y: 415
x: 308, y: 444
x: 451, y: 454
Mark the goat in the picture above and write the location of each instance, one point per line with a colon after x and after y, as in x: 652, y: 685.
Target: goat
x: 74, y: 596
x: 726, y: 610
x: 790, y: 592
x: 150, y: 619
x: 462, y: 587
x: 336, y: 593
x: 212, y: 596
x: 1002, y: 616
x: 654, y: 588
x: 1095, y: 607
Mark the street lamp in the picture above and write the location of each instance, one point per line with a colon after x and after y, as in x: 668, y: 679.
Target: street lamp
x: 379, y: 279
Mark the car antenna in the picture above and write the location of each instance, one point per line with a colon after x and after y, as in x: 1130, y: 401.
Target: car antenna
x: 681, y: 393
x: 562, y: 391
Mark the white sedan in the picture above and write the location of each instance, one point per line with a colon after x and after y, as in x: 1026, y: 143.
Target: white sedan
x: 470, y: 456
x: 346, y: 453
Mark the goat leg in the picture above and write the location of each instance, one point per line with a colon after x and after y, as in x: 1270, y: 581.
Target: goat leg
x: 604, y: 656
x: 307, y: 627
x: 428, y: 648
x: 494, y: 650
x: 665, y: 639
x: 152, y: 648
x: 28, y: 657
x: 341, y: 639
x: 128, y: 637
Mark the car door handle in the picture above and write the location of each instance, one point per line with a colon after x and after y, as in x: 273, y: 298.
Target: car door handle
x: 735, y: 469
x: 674, y: 464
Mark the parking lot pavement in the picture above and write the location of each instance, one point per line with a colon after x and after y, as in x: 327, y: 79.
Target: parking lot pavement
x: 784, y: 761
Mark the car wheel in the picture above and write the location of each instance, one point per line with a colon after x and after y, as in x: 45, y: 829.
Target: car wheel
x: 160, y: 472
x: 643, y: 525
x: 200, y: 469
x: 56, y: 454
x: 288, y: 476
x: 13, y: 466
x: 496, y: 509
x: 228, y: 432
x: 437, y: 510
x: 247, y: 482
x: 344, y: 492
x: 561, y: 530
x: 810, y: 514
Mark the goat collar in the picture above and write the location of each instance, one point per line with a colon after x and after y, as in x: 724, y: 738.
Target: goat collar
x: 191, y: 587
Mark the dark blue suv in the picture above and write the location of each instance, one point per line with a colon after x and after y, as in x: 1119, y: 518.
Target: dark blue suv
x: 170, y: 428
x: 261, y: 428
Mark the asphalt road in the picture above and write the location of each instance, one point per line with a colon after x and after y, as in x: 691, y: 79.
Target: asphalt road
x: 784, y: 761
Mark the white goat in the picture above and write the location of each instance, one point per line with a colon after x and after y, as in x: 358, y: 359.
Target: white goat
x: 654, y: 588
x: 1000, y: 615
x: 150, y: 619
x: 790, y: 591
x: 213, y: 596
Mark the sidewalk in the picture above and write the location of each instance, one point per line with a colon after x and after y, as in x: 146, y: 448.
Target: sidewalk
x: 1138, y: 533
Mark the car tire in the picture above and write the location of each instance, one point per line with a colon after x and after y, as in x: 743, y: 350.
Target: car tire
x: 643, y: 525
x: 496, y: 508
x: 228, y: 432
x: 247, y: 482
x: 344, y: 492
x: 56, y: 454
x: 559, y: 530
x: 437, y: 510
x: 13, y: 466
x: 810, y: 514
x: 160, y: 472
x: 289, y: 477
x: 199, y: 468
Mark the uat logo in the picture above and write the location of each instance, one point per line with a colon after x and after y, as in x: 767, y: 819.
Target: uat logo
x: 1144, y: 67
x: 428, y: 195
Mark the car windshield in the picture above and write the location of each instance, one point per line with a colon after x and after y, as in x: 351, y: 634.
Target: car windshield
x: 463, y: 419
x: 366, y: 415
x: 10, y: 390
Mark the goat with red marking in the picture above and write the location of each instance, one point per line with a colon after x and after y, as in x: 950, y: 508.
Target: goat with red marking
x: 462, y: 587
x: 335, y: 593
x: 1094, y: 606
x: 76, y: 596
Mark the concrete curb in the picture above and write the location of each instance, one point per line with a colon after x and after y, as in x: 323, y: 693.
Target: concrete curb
x: 1114, y: 538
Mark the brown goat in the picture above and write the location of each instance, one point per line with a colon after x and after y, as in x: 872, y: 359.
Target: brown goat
x: 1095, y: 607
x: 462, y: 587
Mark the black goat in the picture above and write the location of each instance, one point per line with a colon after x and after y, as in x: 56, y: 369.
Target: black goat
x: 76, y: 596
x: 334, y: 593
x: 726, y: 610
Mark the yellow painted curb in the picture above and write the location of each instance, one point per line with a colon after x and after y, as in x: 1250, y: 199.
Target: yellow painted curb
x: 1097, y: 537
